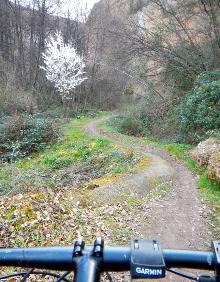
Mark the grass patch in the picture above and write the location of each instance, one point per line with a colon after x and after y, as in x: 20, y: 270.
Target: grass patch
x: 53, y: 167
x: 208, y: 184
x: 51, y: 212
x: 211, y: 190
x: 180, y: 151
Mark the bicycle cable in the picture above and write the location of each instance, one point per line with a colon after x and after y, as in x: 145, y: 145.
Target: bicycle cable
x: 42, y: 273
x: 109, y: 276
x: 27, y: 275
x: 63, y: 276
x: 194, y: 278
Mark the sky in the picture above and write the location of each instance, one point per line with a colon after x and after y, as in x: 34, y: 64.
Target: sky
x: 73, y: 6
x: 89, y: 3
x: 78, y: 5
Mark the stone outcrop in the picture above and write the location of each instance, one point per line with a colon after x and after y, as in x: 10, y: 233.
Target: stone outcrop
x: 205, y: 150
x: 207, y: 154
x: 213, y: 169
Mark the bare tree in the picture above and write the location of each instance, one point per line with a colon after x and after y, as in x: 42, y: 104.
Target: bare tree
x: 174, y: 38
x: 5, y: 29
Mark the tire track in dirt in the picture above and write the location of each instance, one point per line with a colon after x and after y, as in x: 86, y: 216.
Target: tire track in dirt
x: 180, y: 219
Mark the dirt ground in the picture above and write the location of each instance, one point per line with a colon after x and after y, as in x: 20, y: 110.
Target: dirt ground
x: 180, y: 219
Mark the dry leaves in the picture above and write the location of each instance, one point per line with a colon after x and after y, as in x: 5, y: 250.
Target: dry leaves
x: 53, y: 217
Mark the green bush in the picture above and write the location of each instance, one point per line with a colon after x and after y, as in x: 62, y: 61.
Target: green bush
x: 200, y: 112
x: 151, y: 117
x: 138, y: 122
x: 22, y: 135
x: 131, y: 126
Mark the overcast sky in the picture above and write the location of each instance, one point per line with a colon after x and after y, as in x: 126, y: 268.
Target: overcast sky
x: 89, y: 3
x: 73, y: 6
x: 78, y: 5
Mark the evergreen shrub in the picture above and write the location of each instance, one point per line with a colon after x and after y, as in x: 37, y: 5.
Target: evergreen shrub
x: 23, y: 135
x: 199, y: 113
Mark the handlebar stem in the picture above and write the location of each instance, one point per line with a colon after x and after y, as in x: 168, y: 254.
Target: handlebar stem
x: 88, y: 268
x: 88, y: 265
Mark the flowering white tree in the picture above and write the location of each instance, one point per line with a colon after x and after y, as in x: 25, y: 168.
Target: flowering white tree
x: 63, y: 66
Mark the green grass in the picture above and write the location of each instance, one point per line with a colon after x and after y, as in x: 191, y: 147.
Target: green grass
x: 74, y: 148
x: 211, y: 190
x: 180, y: 151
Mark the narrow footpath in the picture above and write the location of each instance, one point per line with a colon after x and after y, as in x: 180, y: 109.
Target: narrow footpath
x: 180, y: 219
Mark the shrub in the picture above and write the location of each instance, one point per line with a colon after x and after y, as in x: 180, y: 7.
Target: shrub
x: 22, y: 135
x: 151, y: 117
x: 60, y: 113
x: 200, y: 112
x: 131, y: 126
x: 16, y: 100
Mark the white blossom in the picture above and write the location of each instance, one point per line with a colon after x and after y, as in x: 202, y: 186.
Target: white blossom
x: 63, y: 66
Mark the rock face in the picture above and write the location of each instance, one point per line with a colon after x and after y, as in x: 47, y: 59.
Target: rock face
x: 205, y: 150
x: 207, y: 154
x: 213, y: 170
x: 108, y: 56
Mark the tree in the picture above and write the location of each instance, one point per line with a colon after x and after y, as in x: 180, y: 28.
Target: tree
x: 63, y: 66
x: 5, y: 29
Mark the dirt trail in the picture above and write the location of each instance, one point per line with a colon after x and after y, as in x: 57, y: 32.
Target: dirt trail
x: 179, y: 219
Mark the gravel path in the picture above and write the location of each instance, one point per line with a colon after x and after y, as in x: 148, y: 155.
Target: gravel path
x: 180, y: 219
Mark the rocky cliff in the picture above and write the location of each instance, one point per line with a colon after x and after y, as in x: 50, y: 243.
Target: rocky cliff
x: 109, y: 54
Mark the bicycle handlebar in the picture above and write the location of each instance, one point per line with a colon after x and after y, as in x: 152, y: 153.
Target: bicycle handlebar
x: 114, y: 258
x: 88, y: 262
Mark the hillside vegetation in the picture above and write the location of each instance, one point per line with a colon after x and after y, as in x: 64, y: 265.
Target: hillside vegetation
x: 196, y: 118
x: 73, y: 160
x: 159, y: 55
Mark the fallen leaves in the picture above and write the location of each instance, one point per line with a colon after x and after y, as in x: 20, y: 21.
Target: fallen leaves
x: 52, y: 217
